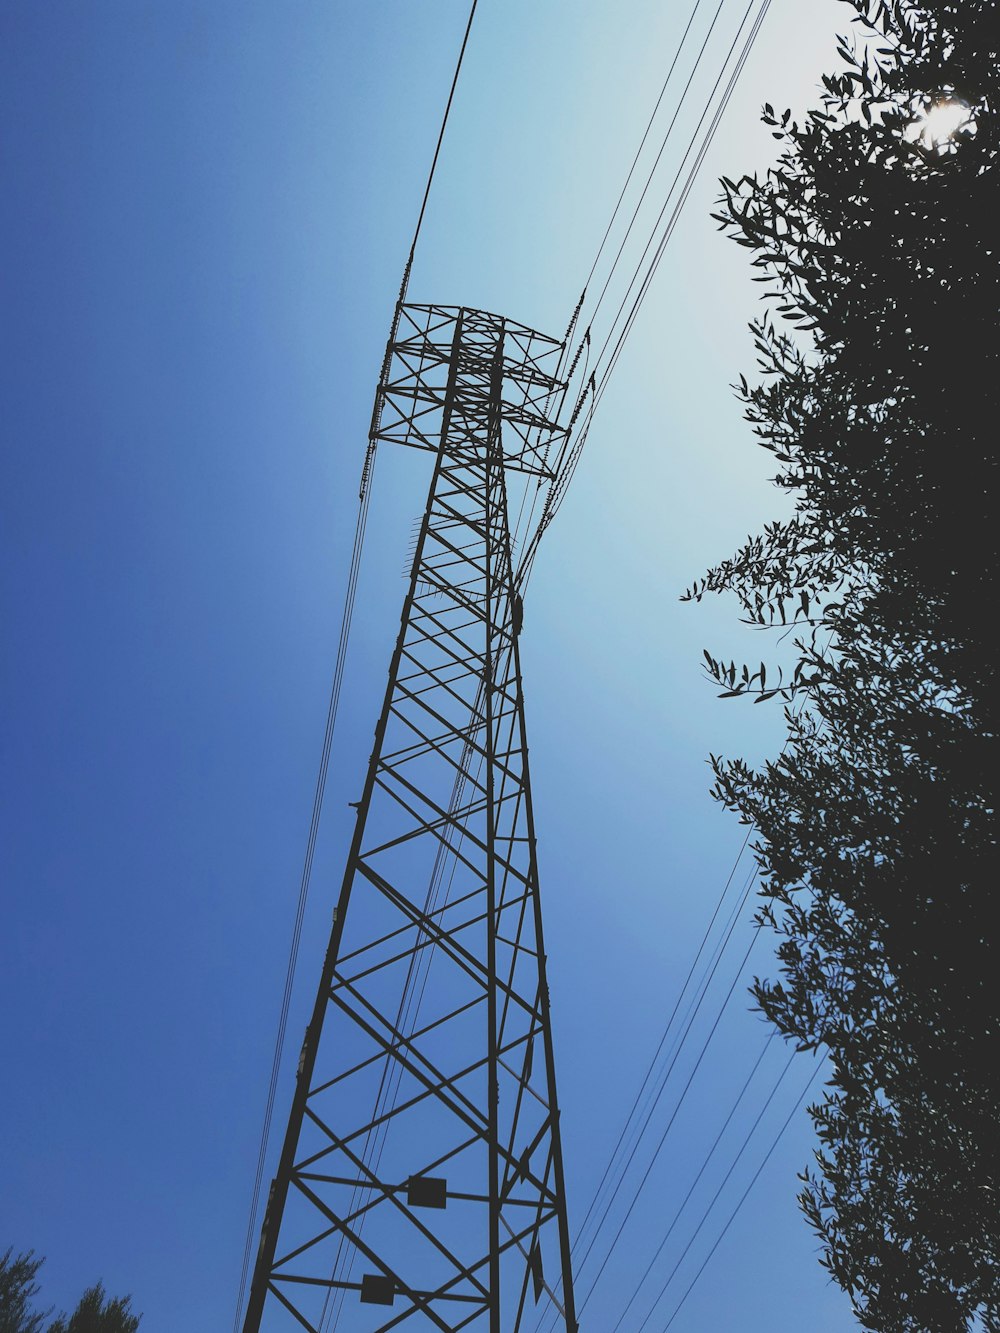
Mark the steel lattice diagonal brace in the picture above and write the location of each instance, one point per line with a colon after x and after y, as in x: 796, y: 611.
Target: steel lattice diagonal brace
x: 420, y: 1181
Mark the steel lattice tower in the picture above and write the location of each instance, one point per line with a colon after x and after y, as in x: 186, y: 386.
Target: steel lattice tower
x: 420, y: 1180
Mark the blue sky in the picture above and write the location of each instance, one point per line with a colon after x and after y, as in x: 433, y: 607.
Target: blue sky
x: 207, y: 206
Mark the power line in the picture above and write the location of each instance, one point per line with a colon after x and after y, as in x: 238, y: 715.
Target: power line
x: 743, y: 1197
x: 720, y: 109
x: 317, y: 808
x: 701, y: 1171
x: 663, y: 1079
x: 688, y: 183
x: 573, y: 457
x: 572, y: 450
x: 638, y: 154
x: 649, y: 179
x: 680, y: 1101
x: 626, y: 1128
x: 719, y: 1135
x: 666, y: 138
x: 691, y: 1014
x: 721, y: 1186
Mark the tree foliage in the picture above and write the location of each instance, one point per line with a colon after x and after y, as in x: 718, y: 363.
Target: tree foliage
x: 98, y: 1314
x: 877, y: 239
x: 95, y: 1313
x: 18, y: 1290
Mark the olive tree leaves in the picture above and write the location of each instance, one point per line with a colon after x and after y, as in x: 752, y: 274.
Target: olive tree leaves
x: 876, y: 392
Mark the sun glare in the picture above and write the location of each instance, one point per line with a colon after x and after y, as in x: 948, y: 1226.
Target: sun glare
x: 938, y: 126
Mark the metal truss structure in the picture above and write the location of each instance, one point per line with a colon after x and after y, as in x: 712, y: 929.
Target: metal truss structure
x: 421, y: 1182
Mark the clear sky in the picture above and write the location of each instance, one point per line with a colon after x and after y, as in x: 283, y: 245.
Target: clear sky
x: 206, y: 209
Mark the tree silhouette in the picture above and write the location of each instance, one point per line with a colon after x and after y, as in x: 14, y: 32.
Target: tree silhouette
x: 877, y: 238
x: 96, y: 1314
x: 18, y: 1290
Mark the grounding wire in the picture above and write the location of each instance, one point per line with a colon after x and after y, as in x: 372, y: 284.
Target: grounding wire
x: 440, y: 138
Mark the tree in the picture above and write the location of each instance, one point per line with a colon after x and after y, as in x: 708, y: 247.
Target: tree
x: 95, y: 1314
x: 876, y: 235
x: 18, y: 1290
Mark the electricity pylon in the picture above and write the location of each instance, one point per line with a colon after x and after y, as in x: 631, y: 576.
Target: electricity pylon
x: 421, y: 1174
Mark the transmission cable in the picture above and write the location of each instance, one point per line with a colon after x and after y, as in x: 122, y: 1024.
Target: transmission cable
x: 585, y: 341
x: 626, y: 1128
x: 714, y: 1199
x: 706, y: 142
x: 663, y: 146
x: 675, y: 214
x: 571, y: 452
x: 654, y: 1098
x: 743, y: 1197
x: 666, y: 138
x: 677, y: 1107
x: 638, y: 154
x: 695, y: 1004
x: 559, y: 484
x: 331, y: 722
x: 701, y: 1171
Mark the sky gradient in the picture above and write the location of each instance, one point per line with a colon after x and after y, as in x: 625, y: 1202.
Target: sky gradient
x: 207, y: 208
